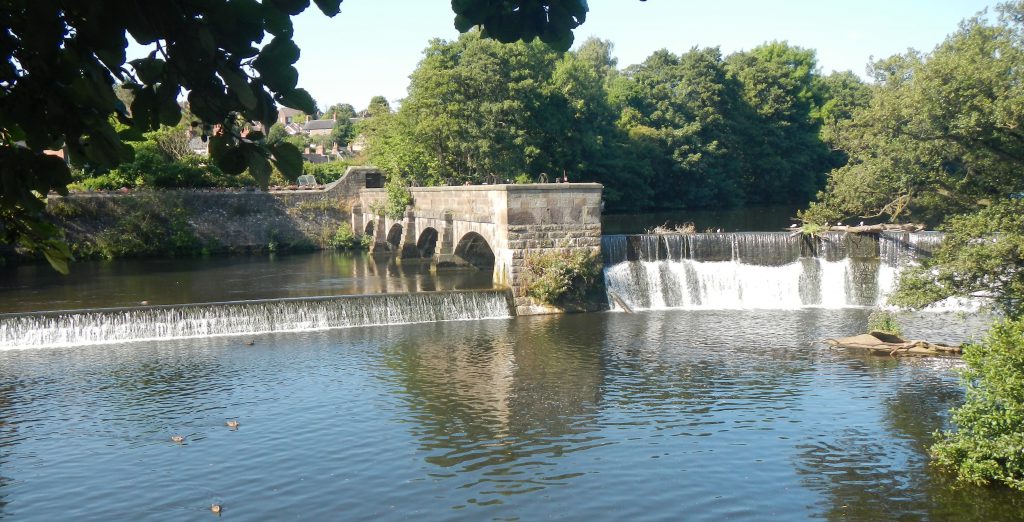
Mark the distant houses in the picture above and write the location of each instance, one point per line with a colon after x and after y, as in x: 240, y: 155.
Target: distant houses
x: 298, y: 123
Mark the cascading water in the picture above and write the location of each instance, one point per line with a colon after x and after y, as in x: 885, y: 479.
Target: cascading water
x: 110, y: 325
x: 767, y: 270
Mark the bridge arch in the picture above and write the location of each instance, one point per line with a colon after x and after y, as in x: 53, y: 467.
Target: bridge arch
x: 427, y: 243
x: 369, y: 228
x: 475, y: 250
x: 394, y: 237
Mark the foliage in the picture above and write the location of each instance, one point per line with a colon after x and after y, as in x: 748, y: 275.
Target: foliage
x: 981, y: 256
x: 884, y: 321
x: 62, y: 61
x: 549, y: 20
x: 940, y: 135
x: 555, y: 277
x: 693, y: 130
x: 398, y: 197
x: 988, y: 444
x: 150, y: 224
x: 326, y: 172
x: 344, y: 238
x: 339, y: 111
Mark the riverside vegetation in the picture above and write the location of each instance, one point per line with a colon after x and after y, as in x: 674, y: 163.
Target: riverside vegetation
x: 934, y: 138
x: 940, y: 142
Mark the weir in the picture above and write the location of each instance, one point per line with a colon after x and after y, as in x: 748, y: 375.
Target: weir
x: 763, y: 270
x: 113, y: 325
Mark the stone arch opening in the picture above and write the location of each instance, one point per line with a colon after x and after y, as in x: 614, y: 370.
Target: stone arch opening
x: 369, y: 228
x: 395, y: 236
x: 427, y: 243
x: 473, y: 249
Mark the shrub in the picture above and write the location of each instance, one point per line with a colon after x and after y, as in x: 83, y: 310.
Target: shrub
x: 555, y: 277
x: 344, y: 238
x: 988, y: 444
x: 398, y: 197
x: 884, y: 321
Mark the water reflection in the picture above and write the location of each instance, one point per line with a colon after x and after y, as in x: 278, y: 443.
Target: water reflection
x: 706, y: 415
x: 496, y: 411
x: 129, y: 282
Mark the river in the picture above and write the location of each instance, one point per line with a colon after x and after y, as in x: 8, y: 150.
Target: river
x: 685, y: 410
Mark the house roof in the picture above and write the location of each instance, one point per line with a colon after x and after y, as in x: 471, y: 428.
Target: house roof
x: 319, y: 124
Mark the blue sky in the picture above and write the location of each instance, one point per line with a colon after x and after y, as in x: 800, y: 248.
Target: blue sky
x: 373, y: 45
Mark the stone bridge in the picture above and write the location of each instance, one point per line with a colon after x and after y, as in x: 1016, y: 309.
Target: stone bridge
x: 490, y: 227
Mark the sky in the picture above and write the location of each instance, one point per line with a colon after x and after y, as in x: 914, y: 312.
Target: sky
x: 372, y: 46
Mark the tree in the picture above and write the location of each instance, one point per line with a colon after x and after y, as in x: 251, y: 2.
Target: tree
x: 476, y: 108
x: 62, y: 61
x: 989, y: 442
x: 941, y: 141
x: 339, y: 111
x: 784, y: 158
x: 378, y: 106
x: 941, y: 135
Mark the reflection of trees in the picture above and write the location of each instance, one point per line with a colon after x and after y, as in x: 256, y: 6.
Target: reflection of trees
x: 8, y: 433
x: 687, y: 370
x: 882, y: 473
x: 499, y: 405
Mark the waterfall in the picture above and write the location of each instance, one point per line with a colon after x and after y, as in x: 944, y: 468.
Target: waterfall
x: 766, y: 270
x: 112, y: 325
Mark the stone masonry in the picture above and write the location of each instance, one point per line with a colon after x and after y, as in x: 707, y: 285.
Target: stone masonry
x: 499, y: 224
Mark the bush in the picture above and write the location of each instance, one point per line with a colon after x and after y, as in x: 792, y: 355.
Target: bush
x: 399, y: 197
x: 554, y: 277
x: 988, y: 444
x: 884, y: 321
x: 344, y: 238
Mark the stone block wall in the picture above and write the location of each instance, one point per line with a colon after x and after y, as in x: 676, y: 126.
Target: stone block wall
x: 216, y: 220
x: 560, y: 218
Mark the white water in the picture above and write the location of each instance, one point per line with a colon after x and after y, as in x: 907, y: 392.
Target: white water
x: 758, y: 271
x: 99, y: 326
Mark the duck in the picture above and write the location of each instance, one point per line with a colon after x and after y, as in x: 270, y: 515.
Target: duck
x: 177, y: 439
x: 231, y: 424
x: 215, y: 508
x: 250, y: 342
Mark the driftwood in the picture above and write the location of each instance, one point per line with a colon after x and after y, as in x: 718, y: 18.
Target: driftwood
x: 866, y: 229
x: 875, y: 229
x: 881, y: 343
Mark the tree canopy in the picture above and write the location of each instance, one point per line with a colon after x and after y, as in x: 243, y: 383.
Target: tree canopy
x: 234, y: 59
x: 690, y: 130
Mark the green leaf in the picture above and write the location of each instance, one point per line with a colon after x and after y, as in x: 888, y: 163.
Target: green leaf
x: 149, y: 70
x: 290, y: 7
x: 298, y: 99
x: 228, y: 155
x: 58, y: 255
x: 329, y: 7
x: 259, y: 167
x: 239, y: 87
x: 288, y: 159
x: 167, y: 100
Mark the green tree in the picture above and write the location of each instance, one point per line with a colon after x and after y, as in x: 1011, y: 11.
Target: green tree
x: 476, y: 108
x: 339, y: 111
x: 784, y: 158
x: 940, y: 141
x: 62, y: 61
x: 342, y: 132
x: 941, y: 135
x: 988, y: 445
x: 378, y: 106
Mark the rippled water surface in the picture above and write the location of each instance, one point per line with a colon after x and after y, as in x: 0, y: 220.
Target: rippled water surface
x: 130, y: 282
x: 668, y: 415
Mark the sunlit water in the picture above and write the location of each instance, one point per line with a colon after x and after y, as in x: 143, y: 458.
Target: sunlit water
x: 131, y: 282
x: 661, y: 415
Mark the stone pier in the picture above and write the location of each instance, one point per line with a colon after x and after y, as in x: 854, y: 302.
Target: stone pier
x: 491, y: 227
